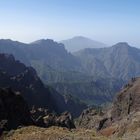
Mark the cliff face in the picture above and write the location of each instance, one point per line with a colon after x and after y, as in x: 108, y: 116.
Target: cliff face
x: 14, y: 110
x: 128, y: 100
x: 24, y: 79
x: 124, y: 118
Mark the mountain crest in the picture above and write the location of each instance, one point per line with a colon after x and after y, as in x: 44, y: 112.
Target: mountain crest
x: 122, y: 45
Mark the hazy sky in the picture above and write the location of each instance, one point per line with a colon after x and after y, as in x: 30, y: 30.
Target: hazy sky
x: 109, y: 21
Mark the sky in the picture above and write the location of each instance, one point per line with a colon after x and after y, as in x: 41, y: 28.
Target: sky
x: 108, y: 21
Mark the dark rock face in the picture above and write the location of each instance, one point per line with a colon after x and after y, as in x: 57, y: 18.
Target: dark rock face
x: 14, y: 110
x: 7, y: 62
x: 24, y: 79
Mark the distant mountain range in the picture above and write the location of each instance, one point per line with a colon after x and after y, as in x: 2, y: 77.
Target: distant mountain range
x: 74, y: 73
x: 79, y: 42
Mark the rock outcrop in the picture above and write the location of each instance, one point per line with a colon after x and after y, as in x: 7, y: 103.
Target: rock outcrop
x: 44, y: 118
x: 89, y: 118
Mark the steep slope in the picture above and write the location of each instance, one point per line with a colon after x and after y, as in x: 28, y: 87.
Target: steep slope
x: 91, y: 92
x: 128, y: 100
x: 21, y: 78
x: 119, y: 121
x: 124, y: 120
x: 11, y: 102
x: 24, y: 79
x: 119, y: 61
x: 79, y: 42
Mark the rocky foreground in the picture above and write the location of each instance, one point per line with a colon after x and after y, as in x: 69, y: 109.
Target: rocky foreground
x: 52, y: 133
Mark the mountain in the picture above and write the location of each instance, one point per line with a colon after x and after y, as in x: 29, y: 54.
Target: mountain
x: 64, y: 71
x: 53, y: 54
x: 50, y: 59
x: 119, y: 61
x: 53, y: 63
x: 24, y: 79
x: 120, y: 120
x: 79, y: 42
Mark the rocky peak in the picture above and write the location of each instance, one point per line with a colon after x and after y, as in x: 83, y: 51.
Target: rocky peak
x: 47, y: 43
x: 121, y: 45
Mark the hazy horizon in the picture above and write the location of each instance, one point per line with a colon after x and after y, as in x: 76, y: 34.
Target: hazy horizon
x: 105, y: 21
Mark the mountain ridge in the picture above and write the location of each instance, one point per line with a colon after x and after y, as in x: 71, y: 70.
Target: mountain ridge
x: 117, y: 60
